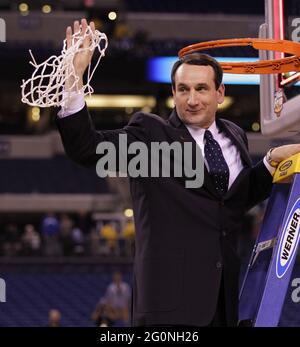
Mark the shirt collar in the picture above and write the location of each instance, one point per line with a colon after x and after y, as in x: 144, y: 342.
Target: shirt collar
x: 213, y: 129
x: 197, y: 131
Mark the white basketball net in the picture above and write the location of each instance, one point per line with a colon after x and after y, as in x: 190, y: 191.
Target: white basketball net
x: 46, y: 86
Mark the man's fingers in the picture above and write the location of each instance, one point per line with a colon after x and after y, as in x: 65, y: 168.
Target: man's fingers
x: 76, y: 29
x: 92, y: 25
x: 87, y: 39
x: 76, y: 26
x: 83, y: 25
x: 69, y: 37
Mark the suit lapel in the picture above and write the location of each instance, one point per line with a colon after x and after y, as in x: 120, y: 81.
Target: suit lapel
x: 239, y: 142
x: 236, y: 139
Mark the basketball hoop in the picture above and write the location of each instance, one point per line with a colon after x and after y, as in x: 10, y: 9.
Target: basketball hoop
x: 274, y: 66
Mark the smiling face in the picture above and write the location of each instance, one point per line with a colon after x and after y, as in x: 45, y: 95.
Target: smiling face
x: 195, y: 95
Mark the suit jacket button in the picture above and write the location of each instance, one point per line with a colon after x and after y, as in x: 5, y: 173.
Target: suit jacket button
x: 218, y: 265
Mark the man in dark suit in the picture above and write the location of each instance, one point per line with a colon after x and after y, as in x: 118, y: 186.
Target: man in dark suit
x: 185, y: 267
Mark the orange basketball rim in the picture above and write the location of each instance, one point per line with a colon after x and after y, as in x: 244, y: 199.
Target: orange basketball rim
x: 274, y: 66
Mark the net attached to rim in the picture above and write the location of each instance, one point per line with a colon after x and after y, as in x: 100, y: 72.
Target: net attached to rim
x: 46, y: 87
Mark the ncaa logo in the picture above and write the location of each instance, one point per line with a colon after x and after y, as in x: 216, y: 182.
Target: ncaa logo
x: 289, y: 241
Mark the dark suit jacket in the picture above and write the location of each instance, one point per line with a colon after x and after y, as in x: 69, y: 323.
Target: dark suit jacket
x: 185, y: 237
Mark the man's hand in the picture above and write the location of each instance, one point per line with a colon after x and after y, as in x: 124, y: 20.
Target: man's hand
x: 283, y: 152
x: 81, y: 59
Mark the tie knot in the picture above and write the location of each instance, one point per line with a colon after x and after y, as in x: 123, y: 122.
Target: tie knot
x: 208, y: 135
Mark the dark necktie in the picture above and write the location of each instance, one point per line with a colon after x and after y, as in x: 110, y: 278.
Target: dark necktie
x: 218, y: 168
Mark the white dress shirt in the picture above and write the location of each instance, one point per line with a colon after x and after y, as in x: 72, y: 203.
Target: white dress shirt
x: 231, y: 154
x: 73, y: 104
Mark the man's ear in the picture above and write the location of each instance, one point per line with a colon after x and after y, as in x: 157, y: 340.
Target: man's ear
x: 221, y: 94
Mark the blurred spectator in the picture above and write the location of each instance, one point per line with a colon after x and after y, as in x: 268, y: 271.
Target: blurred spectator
x: 50, y: 233
x: 84, y: 222
x: 128, y: 235
x: 95, y: 247
x: 50, y: 225
x: 31, y: 241
x: 66, y: 226
x: 68, y: 235
x: 78, y: 242
x: 54, y: 318
x: 109, y: 239
x: 102, y: 315
x: 11, y: 240
x: 118, y: 296
x: 81, y: 234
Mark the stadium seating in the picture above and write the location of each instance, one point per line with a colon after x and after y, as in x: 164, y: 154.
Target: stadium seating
x: 74, y: 290
x: 56, y: 175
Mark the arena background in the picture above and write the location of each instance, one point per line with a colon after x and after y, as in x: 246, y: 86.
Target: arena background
x: 63, y: 230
